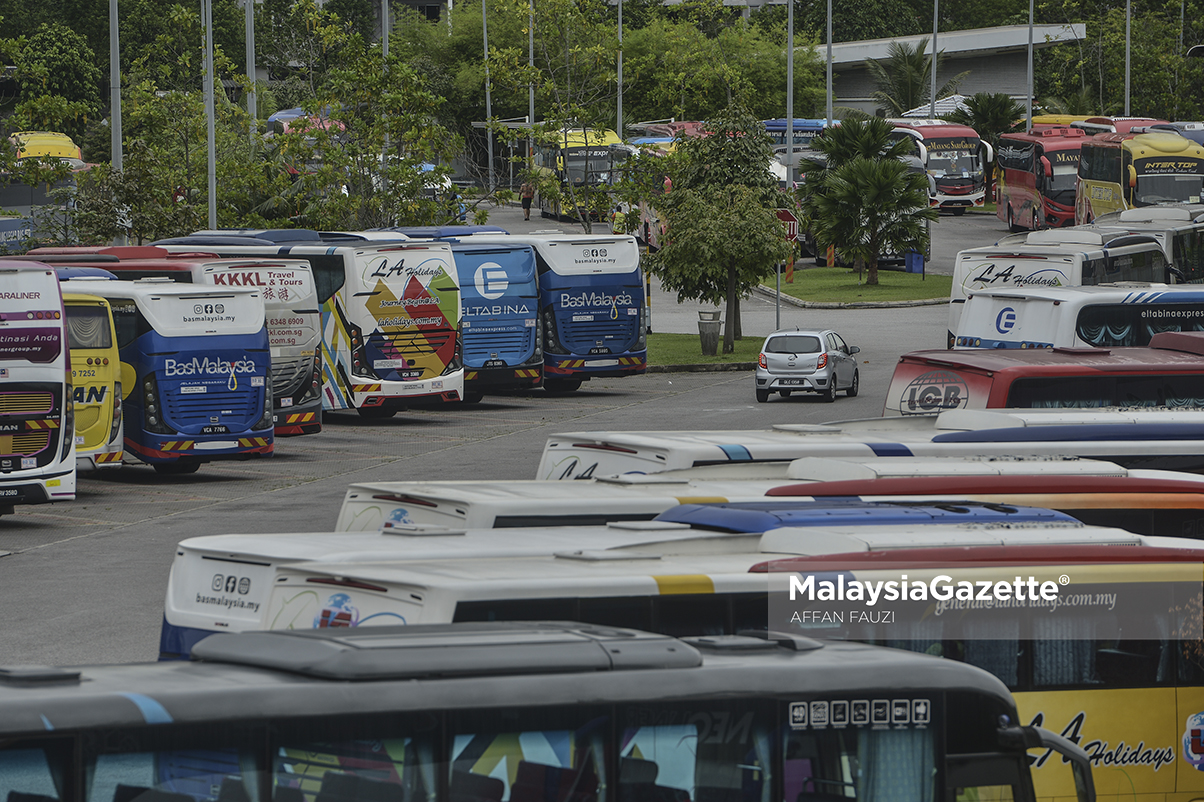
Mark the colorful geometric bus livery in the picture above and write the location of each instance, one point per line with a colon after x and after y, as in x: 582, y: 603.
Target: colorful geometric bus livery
x: 195, y: 371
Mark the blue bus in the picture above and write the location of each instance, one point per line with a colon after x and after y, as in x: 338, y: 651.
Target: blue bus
x: 753, y: 517
x: 196, y: 371
x: 501, y: 331
x: 591, y: 306
x: 804, y: 131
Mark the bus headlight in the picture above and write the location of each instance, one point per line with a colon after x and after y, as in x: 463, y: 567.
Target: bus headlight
x: 151, y: 413
x: 266, y: 420
x: 551, y: 343
x: 359, y: 355
x: 315, y: 378
x: 457, y: 360
x: 68, y: 425
x: 641, y: 341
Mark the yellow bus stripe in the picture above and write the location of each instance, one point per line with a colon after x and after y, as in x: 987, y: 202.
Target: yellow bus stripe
x: 684, y: 583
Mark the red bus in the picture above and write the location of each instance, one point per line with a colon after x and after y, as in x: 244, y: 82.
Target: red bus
x: 1037, y: 175
x: 1167, y: 373
x: 956, y: 159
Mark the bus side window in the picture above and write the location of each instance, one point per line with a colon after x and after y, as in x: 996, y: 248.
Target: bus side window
x: 1093, y: 270
x: 329, y: 275
x: 32, y: 771
x: 129, y: 322
x: 1086, y: 158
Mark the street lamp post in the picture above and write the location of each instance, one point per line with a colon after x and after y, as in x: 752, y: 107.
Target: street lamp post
x: 619, y: 115
x: 252, y: 105
x: 1128, y: 49
x: 488, y: 100
x: 1029, y: 126
x: 207, y: 12
x: 936, y: 15
x: 829, y: 63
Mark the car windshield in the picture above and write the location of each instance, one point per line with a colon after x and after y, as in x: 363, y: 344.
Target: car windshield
x: 793, y: 344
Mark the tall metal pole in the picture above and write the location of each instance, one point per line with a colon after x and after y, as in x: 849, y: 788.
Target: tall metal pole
x: 1029, y: 125
x: 789, y: 93
x: 936, y: 16
x: 1128, y: 49
x: 116, y: 159
x: 384, y: 65
x: 252, y: 107
x: 207, y: 11
x: 829, y: 63
x: 488, y: 101
x: 531, y: 71
x: 619, y: 116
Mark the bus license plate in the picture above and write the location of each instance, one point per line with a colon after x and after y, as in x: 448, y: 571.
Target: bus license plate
x: 593, y: 351
x: 494, y: 363
x: 215, y: 430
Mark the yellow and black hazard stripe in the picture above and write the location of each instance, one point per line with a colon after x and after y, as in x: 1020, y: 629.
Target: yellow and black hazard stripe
x: 177, y: 445
x: 252, y: 442
x: 41, y: 424
x: 300, y: 417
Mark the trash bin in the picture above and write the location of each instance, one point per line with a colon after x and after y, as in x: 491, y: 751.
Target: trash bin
x: 914, y: 262
x: 708, y: 332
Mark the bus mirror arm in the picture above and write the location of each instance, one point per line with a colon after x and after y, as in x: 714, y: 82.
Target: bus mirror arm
x: 1040, y: 738
x: 1132, y: 176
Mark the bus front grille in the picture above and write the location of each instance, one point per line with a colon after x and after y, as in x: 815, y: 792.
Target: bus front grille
x: 288, y: 374
x: 24, y: 444
x: 214, y: 406
x: 513, y: 346
x: 617, y: 335
x: 25, y: 403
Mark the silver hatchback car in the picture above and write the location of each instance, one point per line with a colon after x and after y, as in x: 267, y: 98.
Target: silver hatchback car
x: 807, y: 361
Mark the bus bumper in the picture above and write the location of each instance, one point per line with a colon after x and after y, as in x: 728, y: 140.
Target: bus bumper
x: 449, y: 387
x: 298, y: 420
x: 596, y: 367
x: 481, y: 380
x: 202, y: 448
x: 175, y: 643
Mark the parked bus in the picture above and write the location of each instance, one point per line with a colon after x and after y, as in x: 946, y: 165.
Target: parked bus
x: 195, y: 371
x: 1167, y: 373
x: 1127, y: 686
x: 497, y: 712
x: 95, y: 380
x: 1146, y: 438
x: 955, y: 159
x: 37, y: 423
x: 503, y: 337
x: 1121, y: 171
x: 591, y: 305
x: 579, y: 159
x: 1078, y: 317
x: 1037, y: 174
x: 1178, y: 228
x: 1116, y: 125
x: 390, y: 314
x: 1054, y: 258
x: 290, y: 306
x: 804, y: 131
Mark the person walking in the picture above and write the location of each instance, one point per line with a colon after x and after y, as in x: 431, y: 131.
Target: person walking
x: 527, y: 191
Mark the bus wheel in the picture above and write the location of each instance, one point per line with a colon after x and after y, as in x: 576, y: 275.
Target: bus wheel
x: 177, y: 468
x: 7, y: 509
x: 958, y: 211
x: 1012, y: 222
x: 556, y: 386
x: 473, y: 398
x: 376, y: 413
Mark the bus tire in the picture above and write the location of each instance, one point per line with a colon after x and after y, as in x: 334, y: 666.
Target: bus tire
x: 556, y: 386
x: 1012, y: 227
x: 177, y: 468
x: 855, y: 387
x: 958, y: 211
x: 473, y: 398
x: 376, y: 413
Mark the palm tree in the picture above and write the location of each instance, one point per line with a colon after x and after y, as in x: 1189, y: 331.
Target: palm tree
x: 864, y: 211
x: 990, y: 115
x: 904, y: 80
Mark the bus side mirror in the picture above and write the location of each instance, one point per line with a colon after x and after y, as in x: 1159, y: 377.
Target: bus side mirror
x: 988, y: 152
x: 1132, y: 176
x: 923, y: 154
x: 1047, y: 167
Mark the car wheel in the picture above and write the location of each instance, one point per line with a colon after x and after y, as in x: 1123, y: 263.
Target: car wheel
x: 830, y: 393
x: 853, y: 389
x: 762, y: 396
x: 785, y: 393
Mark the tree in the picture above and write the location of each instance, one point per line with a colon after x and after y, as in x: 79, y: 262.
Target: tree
x: 990, y: 115
x: 865, y: 198
x: 904, y: 80
x: 723, y: 235
x: 58, y: 79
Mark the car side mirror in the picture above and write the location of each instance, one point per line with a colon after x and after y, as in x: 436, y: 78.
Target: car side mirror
x: 854, y: 350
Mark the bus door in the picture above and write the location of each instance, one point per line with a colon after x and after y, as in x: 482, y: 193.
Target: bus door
x: 198, y: 369
x: 37, y: 437
x: 591, y: 297
x: 96, y: 382
x: 294, y: 334
x: 394, y: 333
x: 503, y: 347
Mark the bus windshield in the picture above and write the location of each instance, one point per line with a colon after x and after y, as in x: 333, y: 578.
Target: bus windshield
x: 588, y: 165
x: 88, y: 327
x: 1061, y: 187
x: 1155, y: 184
x: 952, y: 156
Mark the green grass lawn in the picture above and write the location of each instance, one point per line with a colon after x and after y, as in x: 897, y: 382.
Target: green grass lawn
x: 686, y: 349
x: 841, y: 285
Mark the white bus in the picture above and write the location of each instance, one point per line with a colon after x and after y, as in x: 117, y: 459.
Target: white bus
x: 1171, y: 439
x: 1064, y: 257
x: 1080, y: 317
x: 390, y: 317
x: 37, y: 424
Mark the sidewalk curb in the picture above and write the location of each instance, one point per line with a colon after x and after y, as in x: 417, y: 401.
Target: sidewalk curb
x: 703, y: 367
x: 791, y: 301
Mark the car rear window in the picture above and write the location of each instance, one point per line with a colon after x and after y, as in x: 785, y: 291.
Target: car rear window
x: 792, y: 344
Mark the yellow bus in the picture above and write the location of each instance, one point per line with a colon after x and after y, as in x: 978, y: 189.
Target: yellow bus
x: 579, y: 159
x: 1121, y: 171
x: 96, y: 379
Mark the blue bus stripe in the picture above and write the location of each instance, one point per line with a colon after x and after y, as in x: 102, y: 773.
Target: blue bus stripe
x: 737, y: 453
x: 890, y: 449
x: 152, y: 711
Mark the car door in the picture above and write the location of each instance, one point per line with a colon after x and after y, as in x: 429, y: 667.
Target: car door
x: 842, y: 363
